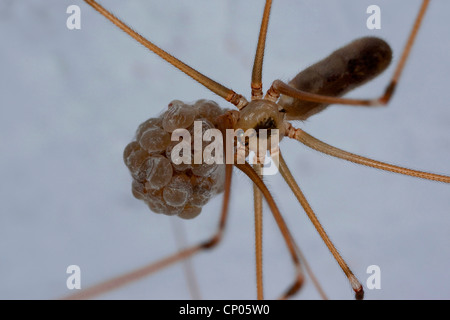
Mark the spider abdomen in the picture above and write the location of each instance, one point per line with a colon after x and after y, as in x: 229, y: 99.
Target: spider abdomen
x: 345, y: 69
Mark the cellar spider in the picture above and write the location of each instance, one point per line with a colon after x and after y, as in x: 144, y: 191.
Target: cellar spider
x: 328, y: 174
x: 303, y: 96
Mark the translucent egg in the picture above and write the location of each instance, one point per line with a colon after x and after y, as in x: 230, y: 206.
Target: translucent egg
x: 204, y: 170
x: 190, y: 212
x: 205, y: 125
x: 178, y: 167
x: 203, y: 190
x: 208, y: 109
x: 178, y: 191
x: 158, y: 172
x: 135, y: 159
x: 131, y: 147
x: 179, y: 116
x: 172, y: 211
x: 138, y: 190
x: 150, y: 123
x: 154, y: 140
x: 155, y: 201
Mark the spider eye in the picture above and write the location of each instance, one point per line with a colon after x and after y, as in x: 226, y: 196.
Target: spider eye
x: 266, y: 123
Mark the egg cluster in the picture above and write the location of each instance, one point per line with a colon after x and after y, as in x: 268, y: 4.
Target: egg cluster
x: 166, y: 187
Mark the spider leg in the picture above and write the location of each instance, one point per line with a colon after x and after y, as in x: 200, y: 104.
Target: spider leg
x: 226, y: 93
x: 259, y: 56
x: 137, y: 274
x: 279, y: 87
x: 285, y: 172
x: 316, y: 144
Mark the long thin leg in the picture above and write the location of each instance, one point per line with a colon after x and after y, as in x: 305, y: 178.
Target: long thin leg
x: 259, y: 56
x: 163, y: 263
x: 311, y: 273
x: 310, y: 141
x: 290, y: 243
x: 279, y: 87
x: 191, y: 279
x: 257, y: 199
x: 275, y: 152
x: 215, y: 87
x: 285, y: 172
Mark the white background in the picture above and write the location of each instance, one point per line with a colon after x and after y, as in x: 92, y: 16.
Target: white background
x: 71, y: 101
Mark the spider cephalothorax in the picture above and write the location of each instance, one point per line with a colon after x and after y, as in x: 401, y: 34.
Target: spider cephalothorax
x: 261, y: 114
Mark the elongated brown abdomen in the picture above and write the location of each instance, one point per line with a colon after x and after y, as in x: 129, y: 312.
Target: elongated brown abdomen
x: 342, y: 71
